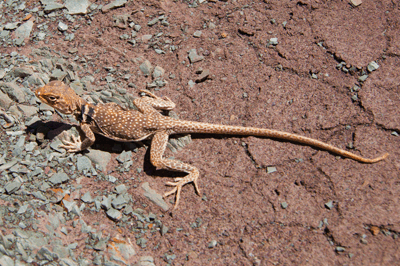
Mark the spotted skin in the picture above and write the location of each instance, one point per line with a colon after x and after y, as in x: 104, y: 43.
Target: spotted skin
x: 115, y: 122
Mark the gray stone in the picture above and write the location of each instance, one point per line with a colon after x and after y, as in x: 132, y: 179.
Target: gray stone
x: 153, y: 21
x: 23, y: 32
x: 273, y: 41
x: 8, y: 165
x: 62, y: 26
x: 13, y: 91
x: 87, y: 198
x: 6, y: 261
x: 154, y: 197
x: 101, y: 158
x: 197, y: 34
x: 59, y: 178
x: 11, y: 26
x: 77, y: 7
x: 22, y: 72
x: 115, y: 4
x: 158, y: 72
x: 45, y: 254
x: 58, y: 74
x: 372, y: 66
x: 119, y: 202
x: 194, y: 57
x: 28, y: 110
x: 203, y: 76
x: 84, y: 163
x: 5, y: 101
x: 362, y: 78
x: 146, y: 67
x: 13, y: 186
x: 51, y: 5
x: 120, y: 189
x: 114, y: 214
x: 124, y: 156
x: 146, y: 261
x: 329, y: 204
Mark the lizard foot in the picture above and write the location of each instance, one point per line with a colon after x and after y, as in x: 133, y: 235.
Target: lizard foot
x: 178, y: 184
x: 72, y: 145
x: 165, y: 98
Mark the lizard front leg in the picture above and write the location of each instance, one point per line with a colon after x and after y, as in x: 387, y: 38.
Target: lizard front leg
x: 75, y: 144
x: 158, y: 145
x: 151, y: 103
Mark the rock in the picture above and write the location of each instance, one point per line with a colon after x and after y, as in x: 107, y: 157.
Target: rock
x: 273, y: 41
x: 28, y: 110
x: 115, y: 4
x: 58, y: 74
x: 197, y: 34
x: 11, y: 26
x: 13, y: 91
x: 22, y: 72
x: 101, y: 158
x: 23, y: 32
x: 13, y: 186
x: 124, y: 156
x: 154, y: 197
x: 5, y: 101
x: 59, y: 178
x: 146, y: 261
x: 6, y: 261
x: 114, y: 214
x: 122, y: 248
x: 372, y: 66
x: 120, y: 201
x: 355, y: 2
x: 87, y: 198
x: 77, y: 7
x: 51, y: 5
x: 203, y: 76
x: 83, y: 163
x: 62, y: 26
x: 194, y: 57
x: 158, y: 72
x: 120, y: 189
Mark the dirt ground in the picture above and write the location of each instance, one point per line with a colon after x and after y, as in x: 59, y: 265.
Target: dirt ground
x: 316, y: 208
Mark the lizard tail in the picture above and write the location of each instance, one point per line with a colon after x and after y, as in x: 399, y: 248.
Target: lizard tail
x: 182, y: 127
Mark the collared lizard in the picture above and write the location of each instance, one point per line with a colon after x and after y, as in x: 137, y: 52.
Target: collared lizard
x: 118, y: 123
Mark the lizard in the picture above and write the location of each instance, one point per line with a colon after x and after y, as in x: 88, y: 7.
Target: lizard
x: 115, y: 122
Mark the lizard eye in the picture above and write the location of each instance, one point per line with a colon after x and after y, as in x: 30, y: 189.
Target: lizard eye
x: 52, y: 98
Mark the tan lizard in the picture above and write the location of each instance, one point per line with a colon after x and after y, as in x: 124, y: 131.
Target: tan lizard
x: 115, y: 122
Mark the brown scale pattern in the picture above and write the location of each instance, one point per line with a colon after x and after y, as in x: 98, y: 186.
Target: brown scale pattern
x: 116, y: 123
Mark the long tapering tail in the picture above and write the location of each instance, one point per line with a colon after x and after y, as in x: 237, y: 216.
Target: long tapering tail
x: 198, y: 127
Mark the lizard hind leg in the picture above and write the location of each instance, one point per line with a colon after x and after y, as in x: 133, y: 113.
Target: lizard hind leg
x: 158, y: 145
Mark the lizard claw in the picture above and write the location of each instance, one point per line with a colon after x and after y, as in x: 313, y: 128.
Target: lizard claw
x: 72, y: 145
x: 178, y: 184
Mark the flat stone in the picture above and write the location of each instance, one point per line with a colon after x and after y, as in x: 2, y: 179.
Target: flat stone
x: 6, y: 261
x: 13, y: 91
x: 22, y: 72
x: 120, y: 189
x: 8, y: 165
x: 62, y: 26
x: 101, y: 158
x: 83, y: 163
x: 115, y: 4
x: 114, y: 214
x: 124, y: 156
x: 58, y: 74
x: 154, y: 197
x: 203, y: 76
x: 158, y: 72
x: 59, y: 178
x: 23, y: 32
x: 28, y: 110
x: 372, y: 66
x: 120, y: 201
x: 87, y: 198
x: 77, y: 7
x: 194, y: 57
x: 11, y: 26
x: 5, y: 101
x: 13, y: 186
x: 197, y: 34
x: 146, y: 67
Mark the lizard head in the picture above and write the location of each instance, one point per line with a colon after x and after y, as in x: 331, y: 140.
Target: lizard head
x: 59, y: 96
